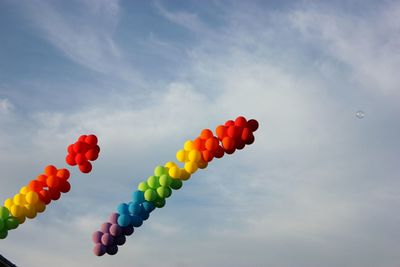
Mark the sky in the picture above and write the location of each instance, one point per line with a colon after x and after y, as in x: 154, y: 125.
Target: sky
x: 319, y: 186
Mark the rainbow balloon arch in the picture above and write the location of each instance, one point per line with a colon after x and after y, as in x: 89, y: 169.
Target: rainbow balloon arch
x: 150, y: 194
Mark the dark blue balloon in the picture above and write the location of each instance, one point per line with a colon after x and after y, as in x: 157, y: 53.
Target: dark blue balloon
x: 135, y: 209
x: 123, y: 208
x: 112, y: 250
x: 138, y: 197
x: 144, y: 214
x: 148, y: 206
x: 136, y: 221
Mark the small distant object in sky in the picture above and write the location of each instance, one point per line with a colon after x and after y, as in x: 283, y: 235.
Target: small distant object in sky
x: 360, y: 114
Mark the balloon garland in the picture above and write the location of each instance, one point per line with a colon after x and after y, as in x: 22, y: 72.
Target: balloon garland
x: 48, y: 186
x: 152, y: 193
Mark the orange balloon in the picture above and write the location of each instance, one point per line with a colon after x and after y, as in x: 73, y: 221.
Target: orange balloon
x: 50, y: 170
x: 206, y: 133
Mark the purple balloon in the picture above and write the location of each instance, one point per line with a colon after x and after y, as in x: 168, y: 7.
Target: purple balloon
x: 127, y: 230
x: 96, y: 236
x: 112, y: 250
x: 99, y: 249
x: 120, y: 240
x: 113, y: 218
x: 105, y: 227
x: 107, y: 240
x: 115, y: 230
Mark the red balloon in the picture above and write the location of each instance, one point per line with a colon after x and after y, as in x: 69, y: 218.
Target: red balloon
x: 206, y: 133
x: 54, y: 193
x: 253, y: 125
x: 230, y: 151
x: 199, y: 144
x: 70, y: 159
x: 64, y: 186
x: 82, y: 138
x: 207, y: 155
x: 92, y: 154
x: 63, y: 174
x: 219, y: 152
x: 80, y: 159
x: 228, y: 143
x: 52, y: 181
x: 70, y: 149
x: 50, y: 170
x: 35, y: 186
x: 234, y: 131
x: 212, y: 143
x: 97, y: 148
x: 42, y: 178
x: 91, y: 140
x: 86, y: 167
x: 250, y: 139
x: 241, y: 121
x: 229, y: 123
x: 80, y: 147
x: 44, y: 196
x: 221, y: 131
x: 240, y: 144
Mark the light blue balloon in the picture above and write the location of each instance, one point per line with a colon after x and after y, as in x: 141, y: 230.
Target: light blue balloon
x: 135, y: 209
x: 123, y: 208
x: 138, y: 197
x: 148, y: 206
x: 124, y: 220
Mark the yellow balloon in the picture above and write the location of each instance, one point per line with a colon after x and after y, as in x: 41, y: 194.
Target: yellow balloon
x: 175, y: 172
x: 170, y: 164
x: 191, y: 167
x: 184, y: 175
x: 8, y: 203
x: 194, y: 155
x: 21, y: 219
x: 30, y: 211
x: 40, y: 206
x: 188, y: 146
x: 202, y: 164
x: 16, y: 211
x: 31, y: 197
x: 24, y: 190
x: 19, y: 199
x: 181, y: 155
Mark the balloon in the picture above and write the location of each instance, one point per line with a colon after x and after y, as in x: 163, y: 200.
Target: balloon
x: 11, y: 223
x: 4, y: 213
x: 160, y: 170
x: 144, y: 214
x: 174, y: 172
x: 152, y: 182
x: 164, y: 180
x: 80, y: 158
x: 16, y: 210
x: 19, y: 199
x: 107, y: 239
x: 91, y: 140
x: 105, y: 227
x: 24, y: 190
x: 52, y: 181
x: 164, y: 192
x: 127, y: 230
x: 8, y: 203
x: 86, y: 167
x: 241, y: 121
x: 112, y: 250
x: 211, y: 143
x: 36, y: 185
x: 135, y: 208
x: 3, y: 233
x: 115, y: 230
x: 159, y: 203
x: 99, y: 249
x: 150, y: 195
x: 194, y: 155
x: 138, y: 197
x: 136, y: 221
x: 191, y: 167
x: 206, y: 133
x: 148, y: 206
x: 2, y: 224
x: 113, y: 217
x: 253, y: 125
x: 176, y: 184
x: 63, y: 174
x: 92, y: 154
x: 181, y: 155
x: 31, y: 197
x: 40, y: 206
x: 50, y: 170
x: 124, y: 220
x: 123, y: 208
x: 143, y: 186
x: 120, y: 240
x: 80, y: 147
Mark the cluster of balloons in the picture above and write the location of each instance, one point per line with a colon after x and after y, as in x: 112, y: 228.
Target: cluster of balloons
x: 153, y: 192
x: 33, y: 197
x: 84, y: 150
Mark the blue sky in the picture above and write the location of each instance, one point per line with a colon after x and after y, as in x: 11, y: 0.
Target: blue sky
x: 319, y: 187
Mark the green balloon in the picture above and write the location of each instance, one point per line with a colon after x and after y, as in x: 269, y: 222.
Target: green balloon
x: 165, y: 180
x: 12, y: 223
x: 152, y: 182
x: 1, y: 224
x: 150, y: 195
x: 176, y: 184
x: 160, y: 170
x: 3, y: 233
x: 4, y: 213
x: 164, y: 192
x: 143, y: 186
x: 159, y: 203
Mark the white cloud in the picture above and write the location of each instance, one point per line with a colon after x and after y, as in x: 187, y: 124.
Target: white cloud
x: 6, y: 106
